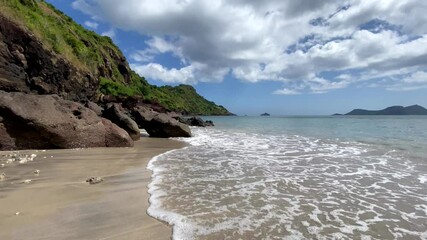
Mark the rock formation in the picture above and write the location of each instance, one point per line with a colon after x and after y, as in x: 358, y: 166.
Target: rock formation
x: 26, y: 66
x: 159, y: 124
x: 44, y: 122
x: 195, y: 121
x: 117, y: 115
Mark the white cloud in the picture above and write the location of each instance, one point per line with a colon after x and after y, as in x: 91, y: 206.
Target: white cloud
x: 321, y: 85
x: 286, y: 91
x: 294, y: 42
x: 158, y: 72
x: 85, y: 7
x: 406, y: 88
x: 143, y: 56
x: 90, y: 24
x: 414, y: 81
x: 162, y: 46
x: 417, y: 77
x: 156, y: 46
x: 110, y: 33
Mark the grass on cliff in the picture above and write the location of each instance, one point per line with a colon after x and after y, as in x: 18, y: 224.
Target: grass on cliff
x: 182, y: 98
x: 59, y: 33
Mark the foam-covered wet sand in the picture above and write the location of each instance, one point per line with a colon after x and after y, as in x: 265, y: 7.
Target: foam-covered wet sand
x: 58, y: 204
x: 243, y: 185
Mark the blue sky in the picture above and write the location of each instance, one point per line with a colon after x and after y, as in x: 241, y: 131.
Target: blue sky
x: 283, y: 57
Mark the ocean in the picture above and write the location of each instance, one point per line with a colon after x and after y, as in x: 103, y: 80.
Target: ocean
x: 325, y: 177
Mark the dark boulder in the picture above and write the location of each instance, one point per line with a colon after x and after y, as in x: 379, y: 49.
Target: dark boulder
x: 160, y: 124
x: 116, y: 114
x: 209, y: 123
x: 6, y: 141
x: 47, y: 121
x: 142, y: 115
x: 132, y: 102
x: 94, y: 107
x: 108, y: 99
x: 115, y: 136
x: 195, y: 121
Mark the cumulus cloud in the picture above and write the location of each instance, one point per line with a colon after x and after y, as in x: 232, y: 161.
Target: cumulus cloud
x: 417, y: 78
x: 156, y: 46
x: 110, y: 33
x: 414, y: 81
x: 158, y: 72
x: 286, y: 91
x: 90, y: 24
x: 294, y: 42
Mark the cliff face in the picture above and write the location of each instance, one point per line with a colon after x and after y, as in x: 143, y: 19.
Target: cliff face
x: 44, y: 51
x: 27, y: 66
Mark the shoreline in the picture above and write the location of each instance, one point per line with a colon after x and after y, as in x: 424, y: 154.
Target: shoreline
x: 59, y: 204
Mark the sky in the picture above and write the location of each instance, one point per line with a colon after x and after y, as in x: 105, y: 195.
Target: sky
x: 303, y: 57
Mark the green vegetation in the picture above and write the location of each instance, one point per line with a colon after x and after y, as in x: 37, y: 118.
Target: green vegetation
x: 137, y: 86
x: 83, y: 48
x: 89, y: 51
x: 184, y: 98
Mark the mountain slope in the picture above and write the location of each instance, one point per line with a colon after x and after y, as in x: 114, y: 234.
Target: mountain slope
x: 394, y: 110
x: 44, y: 51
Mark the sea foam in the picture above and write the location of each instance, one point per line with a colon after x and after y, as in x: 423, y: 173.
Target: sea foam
x: 231, y: 185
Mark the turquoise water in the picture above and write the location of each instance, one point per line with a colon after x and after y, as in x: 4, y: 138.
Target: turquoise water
x: 400, y: 132
x: 296, y: 178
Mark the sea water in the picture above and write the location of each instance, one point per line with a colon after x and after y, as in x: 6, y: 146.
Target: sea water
x: 296, y: 178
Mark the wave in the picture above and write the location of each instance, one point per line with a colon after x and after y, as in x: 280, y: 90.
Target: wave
x: 231, y: 184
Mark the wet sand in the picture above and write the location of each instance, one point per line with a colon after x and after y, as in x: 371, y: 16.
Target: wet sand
x: 59, y: 204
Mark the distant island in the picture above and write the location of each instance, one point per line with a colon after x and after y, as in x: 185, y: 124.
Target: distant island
x: 265, y: 114
x: 394, y: 110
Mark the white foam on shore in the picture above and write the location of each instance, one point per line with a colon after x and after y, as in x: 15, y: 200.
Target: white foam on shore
x: 181, y: 228
x: 422, y: 179
x: 289, y: 187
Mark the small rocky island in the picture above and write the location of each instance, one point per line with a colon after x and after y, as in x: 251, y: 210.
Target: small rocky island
x: 265, y: 115
x: 394, y: 110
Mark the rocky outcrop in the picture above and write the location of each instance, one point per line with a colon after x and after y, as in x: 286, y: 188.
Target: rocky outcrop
x: 94, y: 107
x: 26, y: 66
x: 195, y: 121
x: 117, y: 115
x: 159, y: 124
x: 47, y: 121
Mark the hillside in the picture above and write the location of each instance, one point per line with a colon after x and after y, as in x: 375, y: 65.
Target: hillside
x: 184, y: 98
x: 394, y: 110
x: 44, y: 51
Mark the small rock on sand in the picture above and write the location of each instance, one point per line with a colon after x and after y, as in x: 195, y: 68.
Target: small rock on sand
x: 94, y: 180
x: 26, y: 181
x: 36, y: 172
x: 2, y: 176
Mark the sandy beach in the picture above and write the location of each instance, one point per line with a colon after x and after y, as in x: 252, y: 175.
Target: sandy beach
x: 58, y: 203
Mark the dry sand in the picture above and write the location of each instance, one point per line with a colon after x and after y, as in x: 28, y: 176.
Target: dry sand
x: 59, y: 204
